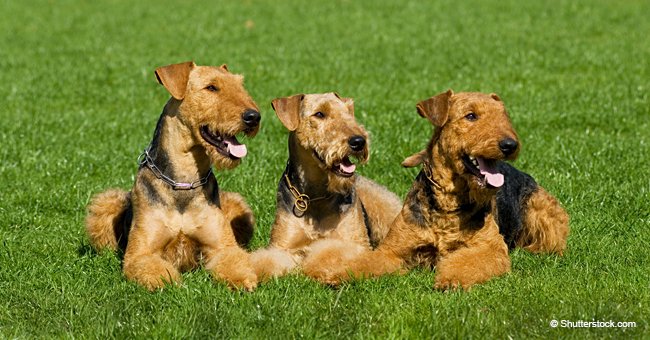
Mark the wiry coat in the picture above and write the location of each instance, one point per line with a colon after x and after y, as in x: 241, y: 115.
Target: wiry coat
x: 165, y: 230
x: 449, y: 218
x: 343, y: 208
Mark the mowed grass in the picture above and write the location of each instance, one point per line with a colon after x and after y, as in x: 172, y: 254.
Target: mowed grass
x: 79, y: 102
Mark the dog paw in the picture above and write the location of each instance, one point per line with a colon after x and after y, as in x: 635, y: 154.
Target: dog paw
x: 271, y: 262
x: 325, y: 276
x: 334, y: 280
x: 247, y: 284
x: 152, y: 273
x: 152, y: 282
x: 331, y: 261
x: 325, y: 272
x: 446, y: 284
x: 242, y: 280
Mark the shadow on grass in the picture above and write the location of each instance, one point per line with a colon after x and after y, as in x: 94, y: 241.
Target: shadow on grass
x: 86, y: 250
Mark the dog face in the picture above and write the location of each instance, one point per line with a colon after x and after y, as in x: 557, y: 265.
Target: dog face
x: 324, y: 125
x: 473, y: 132
x: 214, y: 106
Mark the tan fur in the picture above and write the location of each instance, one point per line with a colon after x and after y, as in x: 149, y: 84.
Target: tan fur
x: 381, y: 204
x: 458, y: 234
x: 104, y: 219
x: 546, y: 224
x: 175, y: 230
x: 240, y: 215
x: 317, y: 143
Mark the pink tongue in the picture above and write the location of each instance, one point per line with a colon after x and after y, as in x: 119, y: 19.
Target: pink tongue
x: 493, y: 178
x: 234, y: 148
x: 347, y: 166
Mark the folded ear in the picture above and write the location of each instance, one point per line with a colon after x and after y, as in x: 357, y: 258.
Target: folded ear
x: 415, y: 159
x: 174, y: 78
x: 349, y: 103
x: 436, y: 108
x: 224, y: 67
x: 288, y: 110
x: 495, y: 97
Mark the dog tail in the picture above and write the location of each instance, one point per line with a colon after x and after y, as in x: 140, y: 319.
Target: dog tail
x: 108, y: 219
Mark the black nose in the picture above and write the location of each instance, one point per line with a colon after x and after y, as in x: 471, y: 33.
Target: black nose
x: 508, y: 146
x: 357, y: 143
x: 251, y: 118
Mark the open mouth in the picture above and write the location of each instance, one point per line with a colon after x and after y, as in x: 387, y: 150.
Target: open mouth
x: 344, y: 168
x: 485, y: 170
x: 228, y: 146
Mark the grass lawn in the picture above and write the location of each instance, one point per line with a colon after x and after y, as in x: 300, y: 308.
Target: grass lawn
x: 79, y: 101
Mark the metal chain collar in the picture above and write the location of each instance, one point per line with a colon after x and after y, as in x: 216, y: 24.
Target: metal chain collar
x: 302, y: 200
x: 145, y: 159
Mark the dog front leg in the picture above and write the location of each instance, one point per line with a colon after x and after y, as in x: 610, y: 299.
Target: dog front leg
x: 232, y: 265
x: 484, y: 257
x: 286, y: 248
x: 335, y: 261
x: 273, y: 262
x: 224, y: 259
x: 143, y: 261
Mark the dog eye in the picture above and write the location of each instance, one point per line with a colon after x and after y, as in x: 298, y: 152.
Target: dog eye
x: 471, y: 116
x: 212, y: 88
x: 319, y: 114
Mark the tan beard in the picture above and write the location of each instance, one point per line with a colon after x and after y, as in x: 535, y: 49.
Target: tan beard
x: 338, y: 184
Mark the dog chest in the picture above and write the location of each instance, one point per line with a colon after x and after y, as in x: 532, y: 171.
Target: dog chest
x: 193, y: 221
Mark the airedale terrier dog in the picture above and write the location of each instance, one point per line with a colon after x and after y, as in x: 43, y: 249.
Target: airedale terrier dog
x: 462, y: 199
x: 320, y: 196
x: 175, y: 217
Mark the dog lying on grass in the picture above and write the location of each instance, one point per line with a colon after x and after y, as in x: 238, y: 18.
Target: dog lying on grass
x: 175, y: 217
x: 320, y: 197
x: 460, y: 204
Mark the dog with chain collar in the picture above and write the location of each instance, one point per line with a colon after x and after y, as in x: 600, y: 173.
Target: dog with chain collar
x: 320, y: 197
x: 175, y: 217
x: 466, y: 207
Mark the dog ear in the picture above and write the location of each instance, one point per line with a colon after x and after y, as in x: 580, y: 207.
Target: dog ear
x: 224, y: 67
x: 174, y: 78
x: 414, y: 159
x: 436, y: 108
x: 288, y: 110
x: 349, y: 102
x: 495, y: 97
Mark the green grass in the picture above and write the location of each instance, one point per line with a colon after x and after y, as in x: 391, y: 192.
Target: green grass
x: 79, y: 102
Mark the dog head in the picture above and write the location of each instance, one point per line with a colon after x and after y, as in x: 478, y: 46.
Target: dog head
x: 473, y: 132
x: 214, y: 106
x: 323, y: 125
